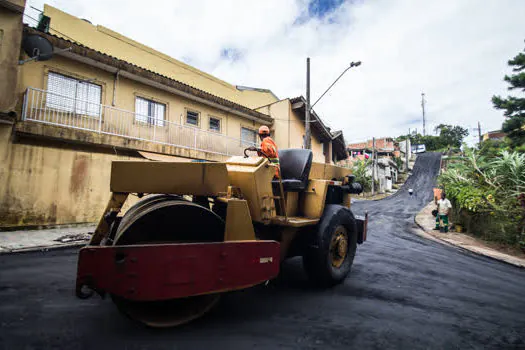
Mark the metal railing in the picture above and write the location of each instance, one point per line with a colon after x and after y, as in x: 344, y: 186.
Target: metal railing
x: 55, y: 109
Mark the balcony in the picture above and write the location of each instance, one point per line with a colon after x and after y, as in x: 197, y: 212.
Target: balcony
x: 53, y: 109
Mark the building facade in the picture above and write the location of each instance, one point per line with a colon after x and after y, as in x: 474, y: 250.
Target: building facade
x: 289, y: 130
x: 384, y: 147
x: 102, y: 97
x: 494, y: 135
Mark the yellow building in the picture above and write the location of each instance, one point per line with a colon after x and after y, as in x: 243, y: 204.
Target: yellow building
x: 289, y: 130
x: 101, y: 97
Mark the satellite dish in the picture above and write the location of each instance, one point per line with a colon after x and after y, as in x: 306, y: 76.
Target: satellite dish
x: 37, y: 47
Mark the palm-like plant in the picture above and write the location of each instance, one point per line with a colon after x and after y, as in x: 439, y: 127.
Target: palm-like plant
x: 486, y: 186
x: 508, y: 172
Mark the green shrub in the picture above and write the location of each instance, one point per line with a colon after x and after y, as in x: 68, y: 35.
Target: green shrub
x: 359, y: 169
x: 484, y: 192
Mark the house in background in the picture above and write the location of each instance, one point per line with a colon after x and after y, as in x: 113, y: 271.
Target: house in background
x: 289, y: 130
x: 387, y: 174
x: 493, y: 135
x: 385, y: 149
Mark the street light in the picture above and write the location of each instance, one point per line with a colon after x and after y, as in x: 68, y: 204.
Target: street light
x: 309, y: 107
x: 352, y: 64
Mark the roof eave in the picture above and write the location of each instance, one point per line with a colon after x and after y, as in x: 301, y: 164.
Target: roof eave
x: 89, y: 56
x: 300, y: 103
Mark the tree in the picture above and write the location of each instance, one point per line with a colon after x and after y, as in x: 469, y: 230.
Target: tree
x: 492, y: 148
x: 360, y: 171
x: 514, y: 107
x: 451, y: 135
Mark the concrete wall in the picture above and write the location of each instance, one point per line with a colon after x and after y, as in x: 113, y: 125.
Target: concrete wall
x: 281, y: 128
x: 10, y: 41
x: 36, y: 74
x: 289, y: 129
x: 44, y: 182
x: 403, y: 147
x: 53, y: 175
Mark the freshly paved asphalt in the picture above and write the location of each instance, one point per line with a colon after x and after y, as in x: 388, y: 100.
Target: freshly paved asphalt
x: 403, y: 293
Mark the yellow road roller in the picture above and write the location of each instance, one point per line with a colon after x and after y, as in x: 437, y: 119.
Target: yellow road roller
x: 201, y: 229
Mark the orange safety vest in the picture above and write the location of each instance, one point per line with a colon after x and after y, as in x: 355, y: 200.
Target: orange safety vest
x: 269, y: 147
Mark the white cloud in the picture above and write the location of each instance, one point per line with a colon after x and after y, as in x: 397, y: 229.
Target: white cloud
x: 454, y: 51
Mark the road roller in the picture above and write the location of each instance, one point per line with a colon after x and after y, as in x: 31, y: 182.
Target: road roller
x: 197, y: 230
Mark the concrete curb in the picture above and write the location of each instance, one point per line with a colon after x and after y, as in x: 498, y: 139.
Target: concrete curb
x: 5, y: 251
x: 422, y: 232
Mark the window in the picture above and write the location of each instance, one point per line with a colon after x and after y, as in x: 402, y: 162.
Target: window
x: 192, y: 118
x: 150, y: 112
x: 248, y: 135
x: 73, y: 95
x: 215, y: 124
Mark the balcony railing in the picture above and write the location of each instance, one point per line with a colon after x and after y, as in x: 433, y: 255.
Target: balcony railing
x: 51, y: 108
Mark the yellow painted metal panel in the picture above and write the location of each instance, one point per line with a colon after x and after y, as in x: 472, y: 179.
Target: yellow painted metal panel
x: 313, y: 198
x: 328, y: 171
x: 239, y: 226
x: 292, y: 203
x: 255, y: 182
x: 201, y: 179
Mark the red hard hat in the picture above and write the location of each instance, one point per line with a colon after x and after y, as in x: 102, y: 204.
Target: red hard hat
x: 263, y: 130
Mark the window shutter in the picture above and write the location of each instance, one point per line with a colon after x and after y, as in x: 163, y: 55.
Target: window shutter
x: 159, y: 114
x: 150, y: 112
x: 71, y: 95
x: 247, y: 135
x: 61, y: 92
x: 141, y: 110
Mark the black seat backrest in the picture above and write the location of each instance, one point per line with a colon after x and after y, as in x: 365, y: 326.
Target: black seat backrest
x: 295, y: 164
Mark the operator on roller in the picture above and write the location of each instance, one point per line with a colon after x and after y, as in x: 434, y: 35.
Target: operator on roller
x: 268, y: 148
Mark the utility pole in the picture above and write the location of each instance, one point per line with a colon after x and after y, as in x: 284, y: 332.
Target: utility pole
x: 307, y: 107
x: 373, y: 164
x: 423, y: 107
x: 479, y: 132
x: 406, y: 153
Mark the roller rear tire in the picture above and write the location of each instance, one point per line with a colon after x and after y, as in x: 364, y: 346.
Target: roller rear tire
x: 329, y: 257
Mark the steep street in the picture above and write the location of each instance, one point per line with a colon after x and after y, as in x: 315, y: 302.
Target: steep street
x: 403, y: 292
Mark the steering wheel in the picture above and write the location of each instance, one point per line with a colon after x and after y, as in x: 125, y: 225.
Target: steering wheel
x: 257, y: 150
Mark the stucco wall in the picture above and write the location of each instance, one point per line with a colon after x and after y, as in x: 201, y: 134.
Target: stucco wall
x: 54, y: 175
x: 46, y: 182
x: 297, y: 130
x: 36, y: 74
x: 280, y: 111
x: 10, y: 40
x: 289, y: 128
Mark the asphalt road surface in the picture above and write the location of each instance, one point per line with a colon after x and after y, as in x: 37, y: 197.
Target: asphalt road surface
x: 404, y: 292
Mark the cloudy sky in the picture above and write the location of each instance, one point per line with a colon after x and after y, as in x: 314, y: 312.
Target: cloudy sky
x: 455, y: 51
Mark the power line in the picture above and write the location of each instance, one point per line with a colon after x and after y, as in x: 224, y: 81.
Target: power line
x: 67, y: 36
x: 34, y: 19
x: 116, y: 38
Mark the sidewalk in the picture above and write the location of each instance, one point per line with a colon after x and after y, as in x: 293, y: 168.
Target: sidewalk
x: 29, y: 240
x: 427, y: 222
